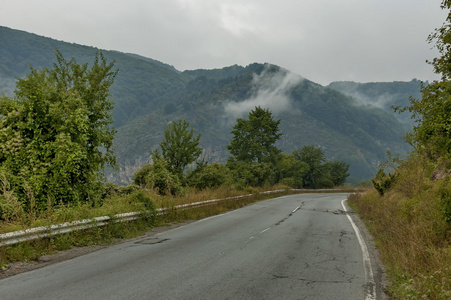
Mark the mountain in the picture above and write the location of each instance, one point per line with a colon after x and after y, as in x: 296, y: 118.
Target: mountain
x: 384, y: 95
x: 149, y: 94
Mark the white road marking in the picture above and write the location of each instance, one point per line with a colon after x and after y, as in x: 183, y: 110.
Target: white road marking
x: 369, y: 277
x: 296, y: 209
x: 264, y: 230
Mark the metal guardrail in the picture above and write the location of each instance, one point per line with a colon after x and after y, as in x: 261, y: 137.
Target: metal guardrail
x: 16, y: 237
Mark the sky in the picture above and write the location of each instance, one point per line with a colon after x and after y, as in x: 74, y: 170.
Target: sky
x: 321, y: 40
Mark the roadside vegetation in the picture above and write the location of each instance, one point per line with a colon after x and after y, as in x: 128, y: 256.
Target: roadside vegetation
x: 409, y: 210
x: 56, y: 138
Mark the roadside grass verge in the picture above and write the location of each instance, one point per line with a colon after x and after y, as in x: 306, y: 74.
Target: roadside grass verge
x: 122, y: 200
x: 115, y: 203
x: 412, y: 230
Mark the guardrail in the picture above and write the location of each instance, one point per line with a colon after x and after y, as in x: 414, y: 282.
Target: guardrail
x: 16, y: 237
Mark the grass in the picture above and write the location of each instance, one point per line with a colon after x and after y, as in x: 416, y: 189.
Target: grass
x: 119, y: 203
x: 411, y: 231
x: 116, y: 203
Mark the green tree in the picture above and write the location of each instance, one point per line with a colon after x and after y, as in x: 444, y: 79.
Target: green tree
x: 157, y: 176
x: 254, y: 139
x: 179, y: 147
x: 314, y: 158
x: 291, y: 171
x: 254, y: 154
x: 432, y: 132
x: 56, y: 135
x: 337, y: 171
x: 209, y: 176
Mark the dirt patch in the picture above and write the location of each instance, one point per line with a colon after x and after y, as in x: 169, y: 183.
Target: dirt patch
x: 45, y: 260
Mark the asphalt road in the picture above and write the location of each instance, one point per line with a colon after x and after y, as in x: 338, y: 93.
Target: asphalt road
x: 293, y: 247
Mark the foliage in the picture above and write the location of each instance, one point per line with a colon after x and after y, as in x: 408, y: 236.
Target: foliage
x: 291, y: 171
x: 432, y: 113
x: 180, y: 147
x: 10, y: 207
x: 317, y: 115
x: 254, y: 139
x: 318, y: 172
x: 337, y: 171
x: 410, y: 225
x: 148, y: 203
x: 386, y: 95
x: 56, y: 135
x: 252, y: 173
x: 209, y: 176
x: 254, y: 154
x: 411, y: 212
x: 314, y: 158
x: 445, y: 201
x: 157, y: 176
x: 382, y: 182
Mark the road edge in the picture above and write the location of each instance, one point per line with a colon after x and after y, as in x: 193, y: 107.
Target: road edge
x: 377, y: 268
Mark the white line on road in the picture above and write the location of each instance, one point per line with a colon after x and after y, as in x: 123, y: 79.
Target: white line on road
x: 296, y: 209
x: 264, y: 230
x: 369, y: 277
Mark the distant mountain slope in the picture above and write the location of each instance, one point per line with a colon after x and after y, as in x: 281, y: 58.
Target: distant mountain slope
x: 149, y: 94
x: 384, y: 95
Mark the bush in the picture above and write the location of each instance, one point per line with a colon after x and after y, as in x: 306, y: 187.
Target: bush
x: 253, y: 174
x: 149, y: 205
x: 445, y: 201
x: 209, y: 176
x: 157, y: 176
x: 10, y: 206
x: 383, y: 182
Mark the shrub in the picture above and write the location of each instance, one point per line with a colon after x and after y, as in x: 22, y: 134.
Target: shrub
x: 148, y: 204
x: 157, y: 176
x: 383, y: 182
x: 209, y: 176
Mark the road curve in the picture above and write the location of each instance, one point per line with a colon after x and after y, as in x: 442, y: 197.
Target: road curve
x: 292, y: 247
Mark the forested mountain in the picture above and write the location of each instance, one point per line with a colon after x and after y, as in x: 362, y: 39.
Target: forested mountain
x: 385, y: 95
x: 149, y: 94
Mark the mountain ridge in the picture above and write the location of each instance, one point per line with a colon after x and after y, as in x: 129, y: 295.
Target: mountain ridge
x: 149, y: 94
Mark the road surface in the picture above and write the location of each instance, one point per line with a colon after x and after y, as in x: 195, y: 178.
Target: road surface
x: 293, y: 247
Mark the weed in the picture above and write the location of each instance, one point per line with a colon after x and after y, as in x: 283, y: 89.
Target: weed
x: 411, y: 231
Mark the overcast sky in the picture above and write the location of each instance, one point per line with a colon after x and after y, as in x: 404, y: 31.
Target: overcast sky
x: 321, y: 40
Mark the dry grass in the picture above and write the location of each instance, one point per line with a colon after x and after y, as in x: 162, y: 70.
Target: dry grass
x: 411, y: 232
x: 114, y: 205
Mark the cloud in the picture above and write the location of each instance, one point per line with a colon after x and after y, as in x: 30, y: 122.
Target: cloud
x: 269, y: 91
x: 327, y: 40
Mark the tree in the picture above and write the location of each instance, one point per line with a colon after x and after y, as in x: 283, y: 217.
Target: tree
x: 321, y: 173
x: 56, y: 135
x: 209, y: 176
x: 314, y: 158
x: 180, y: 147
x: 254, y: 154
x: 432, y: 133
x: 337, y: 171
x: 254, y: 139
x: 157, y: 176
x: 291, y: 171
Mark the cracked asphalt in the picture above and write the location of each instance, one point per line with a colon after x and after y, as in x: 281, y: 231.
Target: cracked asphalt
x: 293, y: 247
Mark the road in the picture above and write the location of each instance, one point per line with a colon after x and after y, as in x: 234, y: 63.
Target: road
x: 293, y: 247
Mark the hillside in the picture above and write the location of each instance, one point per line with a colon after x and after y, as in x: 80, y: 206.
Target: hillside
x: 149, y: 94
x: 384, y: 95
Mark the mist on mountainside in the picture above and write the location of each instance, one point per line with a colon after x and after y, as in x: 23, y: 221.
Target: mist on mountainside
x: 148, y: 95
x: 269, y: 90
x: 383, y: 95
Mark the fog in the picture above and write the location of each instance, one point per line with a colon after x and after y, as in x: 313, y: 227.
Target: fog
x: 269, y: 90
